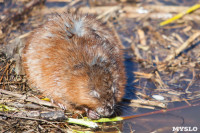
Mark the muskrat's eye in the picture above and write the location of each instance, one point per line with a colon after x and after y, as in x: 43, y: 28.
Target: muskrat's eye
x: 78, y: 66
x: 94, y: 94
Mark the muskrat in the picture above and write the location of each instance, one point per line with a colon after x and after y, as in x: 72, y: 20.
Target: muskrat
x: 77, y: 61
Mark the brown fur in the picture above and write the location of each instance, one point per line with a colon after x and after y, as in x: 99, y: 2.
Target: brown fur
x: 72, y: 58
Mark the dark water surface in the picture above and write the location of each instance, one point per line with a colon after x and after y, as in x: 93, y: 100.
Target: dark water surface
x: 168, y: 122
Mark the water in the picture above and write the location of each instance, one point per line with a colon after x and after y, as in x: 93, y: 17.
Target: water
x: 164, y: 122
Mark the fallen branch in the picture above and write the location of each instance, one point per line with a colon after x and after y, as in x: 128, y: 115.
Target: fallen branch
x: 28, y: 99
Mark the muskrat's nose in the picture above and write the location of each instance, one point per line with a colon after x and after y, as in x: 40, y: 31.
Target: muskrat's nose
x: 109, y: 111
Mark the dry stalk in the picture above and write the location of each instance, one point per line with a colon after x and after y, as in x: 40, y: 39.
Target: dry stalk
x: 191, y: 82
x: 136, y: 51
x: 7, y: 66
x: 149, y: 103
x: 28, y: 99
x: 185, y: 45
x: 142, y: 37
x: 141, y: 106
x: 143, y: 75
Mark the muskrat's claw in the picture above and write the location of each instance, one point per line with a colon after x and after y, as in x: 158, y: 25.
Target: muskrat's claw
x: 62, y: 106
x: 92, y: 114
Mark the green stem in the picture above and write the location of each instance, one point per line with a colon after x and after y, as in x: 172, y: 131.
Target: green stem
x: 83, y: 122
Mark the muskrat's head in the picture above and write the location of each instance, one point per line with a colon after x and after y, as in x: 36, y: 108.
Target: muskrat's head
x: 98, y: 92
x: 102, y: 88
x: 96, y: 78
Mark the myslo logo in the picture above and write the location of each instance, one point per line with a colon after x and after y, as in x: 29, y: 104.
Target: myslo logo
x: 190, y: 129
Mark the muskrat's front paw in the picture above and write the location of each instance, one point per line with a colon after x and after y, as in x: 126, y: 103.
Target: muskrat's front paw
x: 62, y: 106
x: 92, y: 114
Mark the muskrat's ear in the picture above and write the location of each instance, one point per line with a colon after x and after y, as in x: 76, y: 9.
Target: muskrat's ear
x: 94, y: 93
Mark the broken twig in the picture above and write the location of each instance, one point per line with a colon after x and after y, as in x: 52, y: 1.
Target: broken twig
x: 185, y: 45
